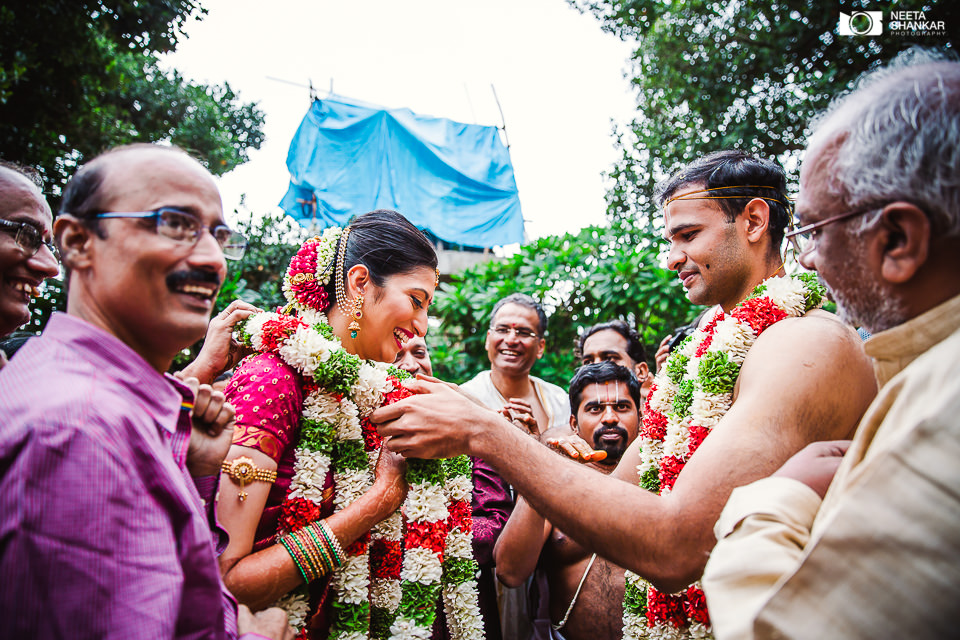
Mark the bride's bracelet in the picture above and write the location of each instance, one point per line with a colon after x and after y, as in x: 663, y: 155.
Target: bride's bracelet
x: 311, y: 550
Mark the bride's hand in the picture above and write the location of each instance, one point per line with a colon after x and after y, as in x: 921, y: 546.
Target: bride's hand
x: 391, y: 480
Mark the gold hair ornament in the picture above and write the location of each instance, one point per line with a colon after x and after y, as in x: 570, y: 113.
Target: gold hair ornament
x: 687, y: 196
x: 357, y: 303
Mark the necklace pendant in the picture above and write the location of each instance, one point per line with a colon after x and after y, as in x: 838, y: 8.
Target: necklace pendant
x: 242, y: 495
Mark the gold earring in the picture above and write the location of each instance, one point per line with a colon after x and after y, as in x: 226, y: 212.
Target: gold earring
x: 357, y: 315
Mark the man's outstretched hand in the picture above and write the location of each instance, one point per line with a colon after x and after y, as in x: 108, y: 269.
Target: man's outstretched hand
x: 436, y: 422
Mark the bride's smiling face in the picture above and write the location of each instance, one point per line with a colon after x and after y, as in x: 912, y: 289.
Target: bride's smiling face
x: 394, y: 313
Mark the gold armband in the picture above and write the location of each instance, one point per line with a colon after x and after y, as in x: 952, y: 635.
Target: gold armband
x: 243, y: 471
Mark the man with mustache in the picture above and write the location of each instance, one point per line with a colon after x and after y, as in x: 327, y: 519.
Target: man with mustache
x: 110, y: 465
x: 763, y: 377
x: 579, y: 593
x: 877, y: 555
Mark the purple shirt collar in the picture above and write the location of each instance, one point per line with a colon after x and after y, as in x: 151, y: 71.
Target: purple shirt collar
x: 162, y: 393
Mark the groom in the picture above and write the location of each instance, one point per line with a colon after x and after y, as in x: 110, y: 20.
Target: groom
x: 804, y: 379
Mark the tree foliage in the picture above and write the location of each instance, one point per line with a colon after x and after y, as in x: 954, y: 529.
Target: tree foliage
x: 79, y: 76
x: 596, y: 275
x: 713, y: 75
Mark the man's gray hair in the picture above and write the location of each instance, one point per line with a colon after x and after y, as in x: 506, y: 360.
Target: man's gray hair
x: 902, y: 126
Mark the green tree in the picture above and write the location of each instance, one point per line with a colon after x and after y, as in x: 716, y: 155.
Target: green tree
x: 595, y: 275
x: 79, y: 76
x: 713, y: 75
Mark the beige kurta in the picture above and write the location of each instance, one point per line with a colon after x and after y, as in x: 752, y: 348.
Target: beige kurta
x: 880, y: 557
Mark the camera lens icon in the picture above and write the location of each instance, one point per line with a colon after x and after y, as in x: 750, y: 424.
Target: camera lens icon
x: 861, y: 23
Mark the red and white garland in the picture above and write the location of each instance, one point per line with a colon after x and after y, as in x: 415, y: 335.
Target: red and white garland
x: 689, y: 397
x: 391, y: 580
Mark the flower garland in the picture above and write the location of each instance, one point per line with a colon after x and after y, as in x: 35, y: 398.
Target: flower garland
x: 689, y: 397
x: 391, y: 579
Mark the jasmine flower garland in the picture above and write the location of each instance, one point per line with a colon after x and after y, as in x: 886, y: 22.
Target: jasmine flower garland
x: 688, y: 398
x: 391, y: 579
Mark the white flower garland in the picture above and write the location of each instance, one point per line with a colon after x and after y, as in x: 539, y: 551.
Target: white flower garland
x: 306, y: 349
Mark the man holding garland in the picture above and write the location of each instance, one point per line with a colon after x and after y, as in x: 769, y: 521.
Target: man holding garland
x: 763, y: 377
x: 878, y: 555
x: 110, y: 465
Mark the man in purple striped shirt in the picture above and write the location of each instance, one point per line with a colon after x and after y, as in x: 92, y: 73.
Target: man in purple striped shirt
x: 108, y: 466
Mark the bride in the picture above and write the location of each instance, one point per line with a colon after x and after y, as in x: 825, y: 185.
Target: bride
x: 306, y: 478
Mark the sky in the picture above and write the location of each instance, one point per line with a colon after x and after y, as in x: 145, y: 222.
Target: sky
x: 559, y: 79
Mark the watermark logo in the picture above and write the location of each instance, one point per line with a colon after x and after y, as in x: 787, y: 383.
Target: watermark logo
x: 861, y: 23
x: 915, y: 23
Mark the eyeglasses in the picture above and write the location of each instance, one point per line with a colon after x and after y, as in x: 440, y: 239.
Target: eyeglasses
x: 804, y: 239
x: 523, y: 333
x: 28, y: 237
x: 187, y: 228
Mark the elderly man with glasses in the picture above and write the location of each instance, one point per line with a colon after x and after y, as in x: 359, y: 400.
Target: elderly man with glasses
x: 109, y: 466
x: 861, y: 539
x: 27, y: 254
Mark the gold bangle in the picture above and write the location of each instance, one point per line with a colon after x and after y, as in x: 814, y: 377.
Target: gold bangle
x: 243, y: 471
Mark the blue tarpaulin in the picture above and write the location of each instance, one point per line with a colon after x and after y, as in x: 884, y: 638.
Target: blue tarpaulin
x: 453, y: 179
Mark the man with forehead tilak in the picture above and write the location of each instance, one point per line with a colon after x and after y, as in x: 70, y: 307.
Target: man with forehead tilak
x: 762, y: 378
x: 877, y: 554
x: 109, y: 465
x: 578, y: 593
